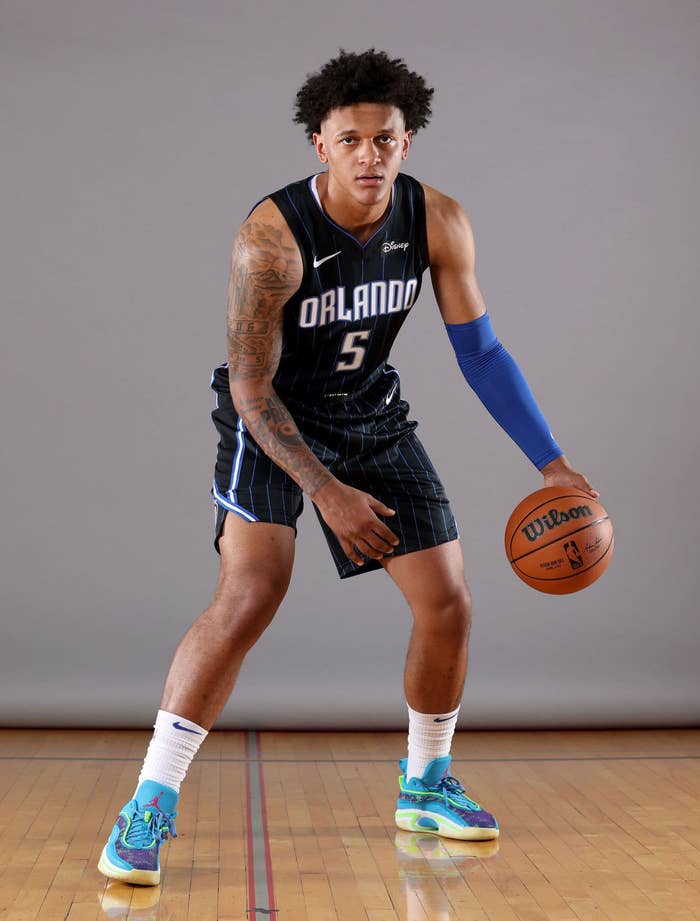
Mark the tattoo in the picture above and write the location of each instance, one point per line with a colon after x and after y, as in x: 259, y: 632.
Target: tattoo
x: 265, y: 273
x: 270, y: 423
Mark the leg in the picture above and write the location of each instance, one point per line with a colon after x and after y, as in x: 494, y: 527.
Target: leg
x: 432, y: 581
x: 256, y: 566
x: 430, y: 799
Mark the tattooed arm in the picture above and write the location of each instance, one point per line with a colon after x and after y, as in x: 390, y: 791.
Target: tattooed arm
x: 266, y: 270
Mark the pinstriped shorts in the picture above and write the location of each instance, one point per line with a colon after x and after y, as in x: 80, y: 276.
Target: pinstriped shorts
x: 364, y: 439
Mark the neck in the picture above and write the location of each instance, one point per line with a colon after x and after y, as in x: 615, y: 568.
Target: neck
x: 358, y: 218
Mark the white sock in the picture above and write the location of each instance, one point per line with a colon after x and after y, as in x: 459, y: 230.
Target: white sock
x: 174, y: 744
x: 429, y: 736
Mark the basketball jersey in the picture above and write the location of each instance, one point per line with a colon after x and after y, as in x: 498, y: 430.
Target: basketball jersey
x: 333, y: 376
x: 354, y: 297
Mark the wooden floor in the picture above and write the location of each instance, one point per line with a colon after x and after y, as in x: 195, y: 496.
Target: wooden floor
x: 594, y: 825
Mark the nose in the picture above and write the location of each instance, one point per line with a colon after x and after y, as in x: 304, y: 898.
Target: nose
x: 368, y: 152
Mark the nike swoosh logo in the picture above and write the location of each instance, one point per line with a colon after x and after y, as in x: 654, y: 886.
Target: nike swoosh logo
x: 318, y: 262
x: 388, y: 400
x: 177, y: 725
x: 442, y: 719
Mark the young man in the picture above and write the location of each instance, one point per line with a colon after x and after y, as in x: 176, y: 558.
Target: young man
x: 323, y: 274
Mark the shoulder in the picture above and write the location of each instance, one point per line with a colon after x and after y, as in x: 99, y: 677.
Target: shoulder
x: 265, y: 235
x: 266, y: 215
x: 447, y: 225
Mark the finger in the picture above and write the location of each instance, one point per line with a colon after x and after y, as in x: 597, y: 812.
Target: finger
x: 589, y: 489
x: 366, y: 547
x: 352, y: 553
x: 385, y: 533
x: 386, y: 544
x: 378, y: 506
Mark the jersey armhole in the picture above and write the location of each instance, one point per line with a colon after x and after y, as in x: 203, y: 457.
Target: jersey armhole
x: 285, y: 206
x: 421, y: 230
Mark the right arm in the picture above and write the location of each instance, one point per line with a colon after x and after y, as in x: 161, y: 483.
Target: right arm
x: 266, y: 270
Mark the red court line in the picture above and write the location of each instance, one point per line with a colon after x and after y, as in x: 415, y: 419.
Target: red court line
x: 249, y: 828
x: 255, y: 872
x: 268, y: 856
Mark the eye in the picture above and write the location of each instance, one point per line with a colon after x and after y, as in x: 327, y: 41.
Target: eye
x: 349, y: 141
x: 385, y: 138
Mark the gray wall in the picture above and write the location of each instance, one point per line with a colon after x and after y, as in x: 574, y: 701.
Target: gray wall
x: 134, y: 138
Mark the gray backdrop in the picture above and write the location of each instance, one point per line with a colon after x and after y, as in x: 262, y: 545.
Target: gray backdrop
x: 135, y: 136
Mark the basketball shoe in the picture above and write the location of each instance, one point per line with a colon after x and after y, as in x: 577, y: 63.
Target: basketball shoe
x: 132, y: 851
x: 437, y: 803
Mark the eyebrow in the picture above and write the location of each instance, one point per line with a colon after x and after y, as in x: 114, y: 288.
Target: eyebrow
x: 355, y: 131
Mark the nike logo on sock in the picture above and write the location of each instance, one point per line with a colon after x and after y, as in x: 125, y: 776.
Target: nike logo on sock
x: 442, y: 719
x: 177, y: 725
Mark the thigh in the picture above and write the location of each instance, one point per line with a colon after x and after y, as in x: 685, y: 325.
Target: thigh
x: 430, y: 579
x: 256, y: 560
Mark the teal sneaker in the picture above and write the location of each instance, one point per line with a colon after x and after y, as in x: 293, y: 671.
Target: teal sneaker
x: 131, y: 853
x: 438, y: 804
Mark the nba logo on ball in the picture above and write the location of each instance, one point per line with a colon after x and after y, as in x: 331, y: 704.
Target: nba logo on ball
x: 559, y: 540
x: 572, y: 552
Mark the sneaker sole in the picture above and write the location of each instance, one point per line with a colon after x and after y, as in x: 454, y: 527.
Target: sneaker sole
x: 137, y: 877
x: 408, y: 820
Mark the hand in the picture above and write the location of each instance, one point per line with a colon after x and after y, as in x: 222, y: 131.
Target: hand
x: 352, y: 516
x: 559, y: 472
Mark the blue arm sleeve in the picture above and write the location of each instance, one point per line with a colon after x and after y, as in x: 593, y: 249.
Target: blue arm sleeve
x: 500, y: 385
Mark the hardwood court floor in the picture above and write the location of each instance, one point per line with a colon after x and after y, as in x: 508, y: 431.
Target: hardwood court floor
x: 595, y: 826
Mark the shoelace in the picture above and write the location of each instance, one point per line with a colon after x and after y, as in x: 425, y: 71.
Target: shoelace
x: 451, y: 786
x: 143, y: 830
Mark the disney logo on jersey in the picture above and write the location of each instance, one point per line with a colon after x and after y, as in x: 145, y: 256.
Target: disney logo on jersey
x: 371, y: 299
x: 390, y: 246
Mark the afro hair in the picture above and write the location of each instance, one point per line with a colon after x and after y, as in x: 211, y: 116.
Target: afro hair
x: 371, y: 76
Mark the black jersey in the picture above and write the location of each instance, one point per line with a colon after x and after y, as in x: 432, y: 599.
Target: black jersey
x: 334, y: 378
x: 340, y: 325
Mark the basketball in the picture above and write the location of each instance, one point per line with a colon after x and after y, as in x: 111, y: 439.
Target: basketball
x: 559, y: 540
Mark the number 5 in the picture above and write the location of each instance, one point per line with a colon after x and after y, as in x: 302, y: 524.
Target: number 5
x: 350, y: 347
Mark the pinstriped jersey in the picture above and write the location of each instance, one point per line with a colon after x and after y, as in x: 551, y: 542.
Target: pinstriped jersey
x: 354, y: 297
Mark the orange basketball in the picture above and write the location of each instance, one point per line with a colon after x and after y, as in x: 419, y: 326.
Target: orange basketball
x: 559, y: 540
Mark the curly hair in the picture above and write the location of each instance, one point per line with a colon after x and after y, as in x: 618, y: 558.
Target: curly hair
x: 371, y: 76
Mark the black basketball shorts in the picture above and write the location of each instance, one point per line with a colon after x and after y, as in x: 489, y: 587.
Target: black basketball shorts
x: 364, y: 439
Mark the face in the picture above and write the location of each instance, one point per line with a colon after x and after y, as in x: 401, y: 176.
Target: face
x: 363, y: 145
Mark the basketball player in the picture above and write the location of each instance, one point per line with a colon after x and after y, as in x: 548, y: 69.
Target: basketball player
x: 324, y: 273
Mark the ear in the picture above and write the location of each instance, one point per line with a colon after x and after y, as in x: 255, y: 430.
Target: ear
x: 320, y: 146
x: 406, y: 144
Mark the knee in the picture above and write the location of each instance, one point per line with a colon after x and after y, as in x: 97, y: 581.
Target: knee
x: 450, y: 614
x: 456, y: 611
x: 241, y: 612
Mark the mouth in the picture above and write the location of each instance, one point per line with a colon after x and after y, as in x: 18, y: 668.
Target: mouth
x: 370, y: 179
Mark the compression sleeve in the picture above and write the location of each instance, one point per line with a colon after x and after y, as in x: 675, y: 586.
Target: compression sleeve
x: 500, y: 385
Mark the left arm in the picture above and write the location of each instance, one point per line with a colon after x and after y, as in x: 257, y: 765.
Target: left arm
x: 488, y: 368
